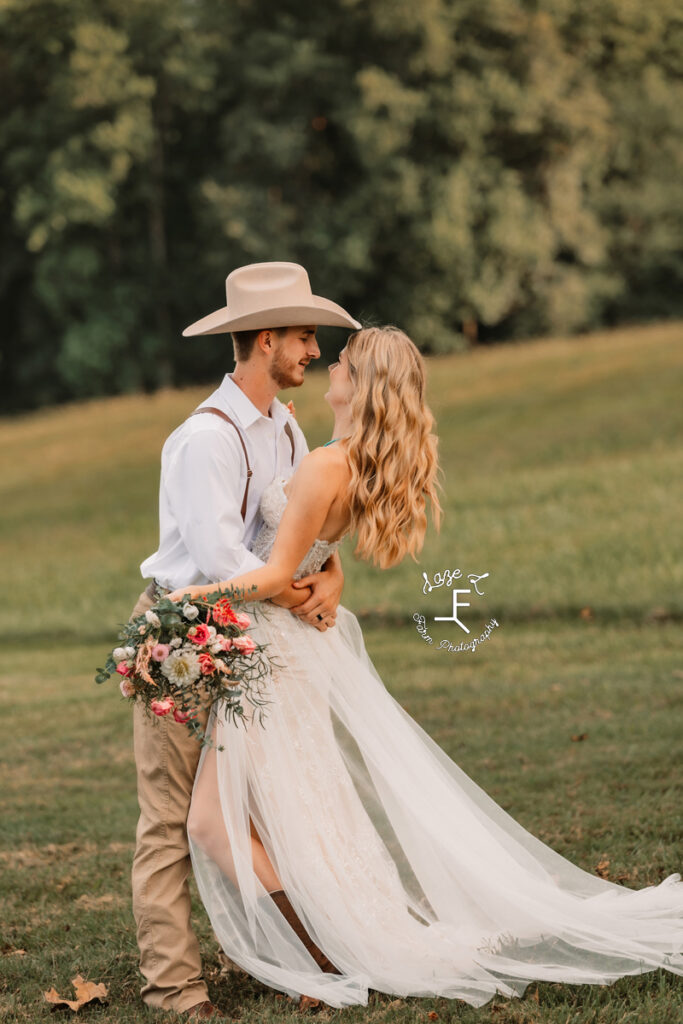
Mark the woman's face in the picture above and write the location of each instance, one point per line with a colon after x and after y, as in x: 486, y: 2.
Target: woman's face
x: 341, y: 384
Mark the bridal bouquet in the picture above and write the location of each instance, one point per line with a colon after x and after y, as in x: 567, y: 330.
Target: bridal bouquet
x: 181, y: 657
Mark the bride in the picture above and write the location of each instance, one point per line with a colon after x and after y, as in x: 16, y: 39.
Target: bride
x: 336, y: 847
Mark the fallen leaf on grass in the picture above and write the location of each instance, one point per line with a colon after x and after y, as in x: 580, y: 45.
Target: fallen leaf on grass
x: 602, y: 869
x: 433, y: 1015
x: 228, y: 966
x: 10, y: 951
x: 579, y: 737
x: 86, y: 992
x: 89, y: 902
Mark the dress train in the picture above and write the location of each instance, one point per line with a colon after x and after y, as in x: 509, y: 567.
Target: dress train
x: 404, y: 872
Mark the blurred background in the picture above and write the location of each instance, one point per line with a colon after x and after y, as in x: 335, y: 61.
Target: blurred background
x: 474, y: 172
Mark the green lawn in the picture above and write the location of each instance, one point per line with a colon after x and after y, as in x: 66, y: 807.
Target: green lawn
x: 562, y: 479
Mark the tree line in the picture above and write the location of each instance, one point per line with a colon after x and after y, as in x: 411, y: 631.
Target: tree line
x: 472, y: 172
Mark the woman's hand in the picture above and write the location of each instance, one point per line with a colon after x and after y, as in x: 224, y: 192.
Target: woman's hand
x: 189, y: 593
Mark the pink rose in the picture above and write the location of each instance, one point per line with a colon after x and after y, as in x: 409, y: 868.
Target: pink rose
x: 183, y: 716
x: 226, y: 643
x: 160, y: 652
x: 199, y: 634
x: 124, y: 668
x: 244, y: 644
x: 127, y: 688
x: 206, y: 664
x: 242, y: 620
x: 162, y: 707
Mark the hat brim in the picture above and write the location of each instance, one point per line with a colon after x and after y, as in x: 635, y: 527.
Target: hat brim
x: 322, y: 312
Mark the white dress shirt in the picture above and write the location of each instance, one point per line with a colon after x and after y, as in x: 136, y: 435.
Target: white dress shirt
x: 202, y: 538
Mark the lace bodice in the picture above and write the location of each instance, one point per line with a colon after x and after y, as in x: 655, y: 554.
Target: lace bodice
x: 272, y: 505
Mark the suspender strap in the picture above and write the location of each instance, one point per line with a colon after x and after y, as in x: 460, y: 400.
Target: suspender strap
x: 290, y: 435
x: 250, y: 472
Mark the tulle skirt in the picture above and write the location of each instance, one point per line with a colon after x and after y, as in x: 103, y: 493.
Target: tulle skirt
x: 404, y: 872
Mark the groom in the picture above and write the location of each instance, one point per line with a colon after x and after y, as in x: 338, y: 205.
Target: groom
x: 214, y: 468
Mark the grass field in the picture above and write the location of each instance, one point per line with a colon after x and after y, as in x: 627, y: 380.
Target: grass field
x: 562, y: 479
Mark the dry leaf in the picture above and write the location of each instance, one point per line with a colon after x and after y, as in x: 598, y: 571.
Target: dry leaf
x: 89, y: 902
x: 433, y: 1015
x: 85, y: 991
x: 579, y: 737
x: 228, y: 966
x: 586, y: 613
x: 602, y: 869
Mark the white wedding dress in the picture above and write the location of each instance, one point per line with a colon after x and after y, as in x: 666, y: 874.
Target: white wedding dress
x: 404, y: 872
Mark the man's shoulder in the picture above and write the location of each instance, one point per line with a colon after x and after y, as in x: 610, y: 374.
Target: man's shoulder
x: 208, y: 429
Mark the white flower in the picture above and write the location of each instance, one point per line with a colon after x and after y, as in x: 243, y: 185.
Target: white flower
x: 130, y: 651
x: 175, y: 642
x: 216, y: 648
x: 181, y: 667
x: 212, y: 633
x: 119, y: 654
x: 190, y: 611
x: 153, y: 618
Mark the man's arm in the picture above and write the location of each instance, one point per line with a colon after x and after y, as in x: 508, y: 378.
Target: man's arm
x: 301, y: 522
x: 205, y: 487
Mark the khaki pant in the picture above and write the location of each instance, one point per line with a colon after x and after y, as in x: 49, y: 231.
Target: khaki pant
x: 166, y: 757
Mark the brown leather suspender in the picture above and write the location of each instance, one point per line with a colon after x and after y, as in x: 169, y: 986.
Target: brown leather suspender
x: 224, y: 415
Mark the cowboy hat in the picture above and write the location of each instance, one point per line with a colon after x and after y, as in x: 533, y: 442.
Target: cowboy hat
x: 263, y: 295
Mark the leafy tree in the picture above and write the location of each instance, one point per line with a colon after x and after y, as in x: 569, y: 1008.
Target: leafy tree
x: 469, y: 171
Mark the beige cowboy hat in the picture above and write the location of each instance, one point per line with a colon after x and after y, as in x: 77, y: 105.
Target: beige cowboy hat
x: 264, y: 295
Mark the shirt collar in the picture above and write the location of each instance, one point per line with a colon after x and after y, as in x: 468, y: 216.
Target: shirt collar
x: 244, y: 410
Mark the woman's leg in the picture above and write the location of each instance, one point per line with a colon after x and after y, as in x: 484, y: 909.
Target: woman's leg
x: 206, y: 828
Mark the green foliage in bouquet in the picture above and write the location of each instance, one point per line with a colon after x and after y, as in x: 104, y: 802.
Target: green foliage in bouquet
x: 181, y: 657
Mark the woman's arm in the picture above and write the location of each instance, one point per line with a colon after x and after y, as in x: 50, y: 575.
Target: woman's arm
x: 314, y: 487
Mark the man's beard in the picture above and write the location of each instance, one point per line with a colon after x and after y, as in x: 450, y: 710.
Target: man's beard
x: 282, y: 373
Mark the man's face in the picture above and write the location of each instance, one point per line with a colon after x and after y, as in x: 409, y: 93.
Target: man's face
x: 291, y: 355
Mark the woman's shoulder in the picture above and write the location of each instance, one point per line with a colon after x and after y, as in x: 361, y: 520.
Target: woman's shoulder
x: 330, y: 462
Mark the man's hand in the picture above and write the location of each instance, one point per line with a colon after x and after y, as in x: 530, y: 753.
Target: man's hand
x: 325, y: 589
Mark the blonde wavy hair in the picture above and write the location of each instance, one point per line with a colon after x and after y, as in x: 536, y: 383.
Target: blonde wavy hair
x: 392, y: 450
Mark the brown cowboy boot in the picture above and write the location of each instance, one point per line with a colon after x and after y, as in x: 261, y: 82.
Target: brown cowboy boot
x: 280, y: 900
